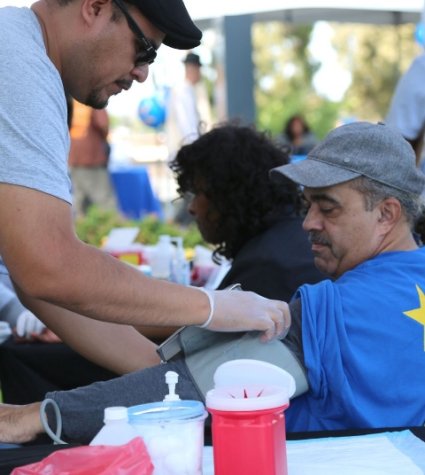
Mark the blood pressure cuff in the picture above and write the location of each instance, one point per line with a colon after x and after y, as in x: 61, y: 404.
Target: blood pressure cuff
x: 204, y: 351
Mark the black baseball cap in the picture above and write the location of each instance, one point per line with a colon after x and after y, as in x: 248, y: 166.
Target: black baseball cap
x: 192, y: 58
x: 172, y: 18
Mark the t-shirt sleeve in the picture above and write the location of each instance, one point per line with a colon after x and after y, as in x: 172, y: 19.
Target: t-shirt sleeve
x: 34, y: 141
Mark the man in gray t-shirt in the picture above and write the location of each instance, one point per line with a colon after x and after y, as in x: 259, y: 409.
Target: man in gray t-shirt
x: 93, y: 50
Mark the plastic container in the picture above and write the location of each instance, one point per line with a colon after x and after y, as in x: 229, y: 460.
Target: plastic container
x: 180, y: 269
x: 161, y: 258
x: 248, y: 421
x: 203, y: 266
x: 173, y: 432
x: 117, y: 430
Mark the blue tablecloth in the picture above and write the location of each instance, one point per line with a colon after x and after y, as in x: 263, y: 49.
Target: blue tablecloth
x: 134, y: 192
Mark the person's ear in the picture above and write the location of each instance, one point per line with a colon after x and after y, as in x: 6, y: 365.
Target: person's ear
x: 91, y: 9
x: 390, y: 213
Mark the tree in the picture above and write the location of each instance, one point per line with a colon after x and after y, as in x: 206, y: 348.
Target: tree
x: 283, y: 80
x: 376, y: 55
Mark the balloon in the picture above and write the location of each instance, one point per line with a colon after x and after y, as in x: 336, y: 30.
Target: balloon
x: 420, y: 33
x: 152, y: 110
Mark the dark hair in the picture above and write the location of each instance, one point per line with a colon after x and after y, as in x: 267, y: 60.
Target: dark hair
x: 288, y: 127
x: 232, y: 163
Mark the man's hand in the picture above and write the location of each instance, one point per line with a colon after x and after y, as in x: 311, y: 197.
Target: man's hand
x: 19, y: 424
x: 245, y: 311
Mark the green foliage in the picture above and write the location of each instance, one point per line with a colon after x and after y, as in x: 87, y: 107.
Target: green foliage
x: 284, y: 72
x: 376, y: 56
x: 96, y: 225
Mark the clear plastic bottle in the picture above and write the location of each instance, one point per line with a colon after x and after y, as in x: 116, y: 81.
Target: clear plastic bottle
x: 180, y: 269
x: 116, y: 429
x: 162, y: 257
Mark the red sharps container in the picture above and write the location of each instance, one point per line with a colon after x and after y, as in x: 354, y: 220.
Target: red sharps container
x: 247, y: 406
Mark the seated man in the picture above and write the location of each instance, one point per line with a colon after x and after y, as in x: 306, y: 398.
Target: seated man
x: 361, y: 336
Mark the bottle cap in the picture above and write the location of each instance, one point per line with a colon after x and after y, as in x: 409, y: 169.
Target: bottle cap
x: 249, y: 385
x: 116, y: 413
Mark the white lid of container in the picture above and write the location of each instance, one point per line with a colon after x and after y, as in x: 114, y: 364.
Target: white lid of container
x: 249, y: 385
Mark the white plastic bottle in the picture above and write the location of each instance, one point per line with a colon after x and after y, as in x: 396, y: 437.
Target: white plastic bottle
x: 117, y: 430
x: 162, y: 257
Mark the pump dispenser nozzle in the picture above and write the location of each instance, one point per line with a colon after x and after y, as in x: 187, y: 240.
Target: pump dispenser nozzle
x: 171, y: 378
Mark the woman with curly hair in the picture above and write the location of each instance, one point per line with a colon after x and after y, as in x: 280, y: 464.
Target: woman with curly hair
x: 252, y: 221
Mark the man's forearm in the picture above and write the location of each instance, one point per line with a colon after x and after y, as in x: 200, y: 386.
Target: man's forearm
x: 20, y: 424
x: 48, y: 262
x: 119, y: 348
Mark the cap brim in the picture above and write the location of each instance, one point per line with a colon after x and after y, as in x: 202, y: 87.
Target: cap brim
x: 172, y: 18
x: 313, y: 173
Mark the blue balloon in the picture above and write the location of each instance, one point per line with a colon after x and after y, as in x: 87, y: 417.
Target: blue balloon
x: 420, y: 33
x: 152, y: 110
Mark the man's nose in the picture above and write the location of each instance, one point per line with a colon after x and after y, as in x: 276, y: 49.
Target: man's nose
x: 312, y: 221
x: 140, y: 73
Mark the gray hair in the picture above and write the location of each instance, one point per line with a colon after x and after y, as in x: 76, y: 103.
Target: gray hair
x: 374, y: 192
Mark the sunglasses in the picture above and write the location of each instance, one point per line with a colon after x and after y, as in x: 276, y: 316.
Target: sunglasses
x: 148, y: 53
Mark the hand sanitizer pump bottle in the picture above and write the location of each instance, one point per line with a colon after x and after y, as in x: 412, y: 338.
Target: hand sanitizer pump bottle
x: 173, y: 431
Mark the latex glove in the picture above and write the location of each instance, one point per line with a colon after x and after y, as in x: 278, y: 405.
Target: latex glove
x: 246, y: 311
x: 28, y: 324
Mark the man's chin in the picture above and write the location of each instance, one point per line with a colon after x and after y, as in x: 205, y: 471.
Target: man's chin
x: 97, y: 100
x: 323, y: 266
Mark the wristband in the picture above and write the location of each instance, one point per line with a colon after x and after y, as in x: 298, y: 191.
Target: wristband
x: 211, y: 300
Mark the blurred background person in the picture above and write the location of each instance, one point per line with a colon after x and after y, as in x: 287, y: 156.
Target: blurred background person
x: 407, y: 109
x: 24, y: 323
x: 298, y: 136
x: 88, y: 159
x: 188, y: 107
x: 188, y: 115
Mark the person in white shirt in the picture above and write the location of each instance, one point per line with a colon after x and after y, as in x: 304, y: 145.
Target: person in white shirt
x: 188, y: 116
x: 407, y: 109
x: 188, y: 110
